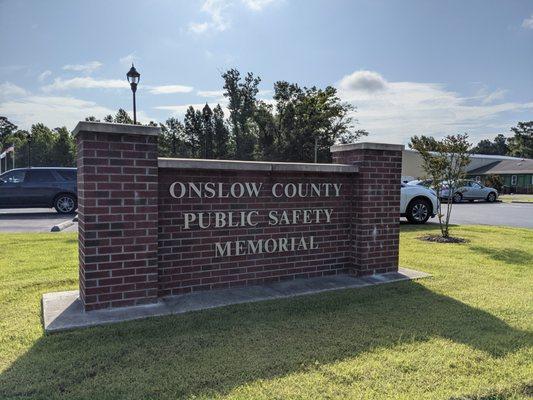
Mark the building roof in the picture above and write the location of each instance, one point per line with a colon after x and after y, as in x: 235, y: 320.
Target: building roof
x: 482, y: 156
x: 516, y: 166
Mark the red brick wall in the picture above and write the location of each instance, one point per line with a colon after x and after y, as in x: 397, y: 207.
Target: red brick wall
x: 376, y: 223
x: 117, y: 212
x: 133, y: 248
x: 187, y: 259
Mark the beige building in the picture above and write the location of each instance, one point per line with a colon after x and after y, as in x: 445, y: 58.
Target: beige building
x: 412, y: 163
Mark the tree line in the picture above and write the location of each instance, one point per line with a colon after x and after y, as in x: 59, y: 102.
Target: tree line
x: 297, y: 124
x: 298, y: 121
x: 520, y: 144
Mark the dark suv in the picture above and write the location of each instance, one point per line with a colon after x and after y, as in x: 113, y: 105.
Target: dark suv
x: 39, y: 187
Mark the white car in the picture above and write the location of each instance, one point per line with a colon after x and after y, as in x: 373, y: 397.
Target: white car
x: 418, y: 203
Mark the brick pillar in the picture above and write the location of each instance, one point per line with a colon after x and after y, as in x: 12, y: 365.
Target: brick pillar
x: 376, y: 220
x: 117, y: 212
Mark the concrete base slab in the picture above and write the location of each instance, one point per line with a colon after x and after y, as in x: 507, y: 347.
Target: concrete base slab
x: 63, y: 310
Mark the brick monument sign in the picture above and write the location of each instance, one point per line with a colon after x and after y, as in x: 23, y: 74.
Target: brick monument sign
x: 153, y: 227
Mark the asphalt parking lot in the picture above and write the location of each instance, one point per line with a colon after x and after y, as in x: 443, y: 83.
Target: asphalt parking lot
x: 32, y: 220
x: 497, y: 214
x: 479, y: 213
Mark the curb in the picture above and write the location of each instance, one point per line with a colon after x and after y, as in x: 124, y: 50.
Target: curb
x: 521, y: 202
x: 62, y: 225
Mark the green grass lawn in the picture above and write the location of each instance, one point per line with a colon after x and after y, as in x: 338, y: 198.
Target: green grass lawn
x: 507, y: 198
x: 464, y: 333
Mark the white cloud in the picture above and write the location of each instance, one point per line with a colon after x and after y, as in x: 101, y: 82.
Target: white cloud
x: 494, y: 96
x: 366, y: 81
x: 265, y: 93
x: 210, y: 93
x: 51, y: 110
x: 218, y: 18
x: 257, y: 5
x: 168, y: 89
x: 197, y: 27
x: 129, y: 59
x: 87, y: 68
x: 398, y: 110
x: 85, y: 83
x: 10, y: 90
x: 55, y: 111
x: 43, y: 75
x: 528, y: 23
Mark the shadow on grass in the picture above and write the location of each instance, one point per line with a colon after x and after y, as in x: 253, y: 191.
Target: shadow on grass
x: 211, y: 352
x: 507, y: 255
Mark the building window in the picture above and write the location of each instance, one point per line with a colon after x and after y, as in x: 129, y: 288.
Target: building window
x: 514, y: 179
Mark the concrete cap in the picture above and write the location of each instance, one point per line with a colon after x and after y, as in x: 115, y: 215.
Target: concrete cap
x: 233, y: 165
x: 366, y: 146
x: 108, y: 127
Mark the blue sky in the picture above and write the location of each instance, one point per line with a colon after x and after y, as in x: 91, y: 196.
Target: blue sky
x: 411, y: 67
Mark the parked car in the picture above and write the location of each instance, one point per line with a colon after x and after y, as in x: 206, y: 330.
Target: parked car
x: 418, y: 203
x: 40, y: 187
x: 470, y: 190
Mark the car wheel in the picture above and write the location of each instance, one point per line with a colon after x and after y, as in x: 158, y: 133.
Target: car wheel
x: 491, y: 198
x: 457, y: 198
x: 65, y: 204
x: 418, y: 211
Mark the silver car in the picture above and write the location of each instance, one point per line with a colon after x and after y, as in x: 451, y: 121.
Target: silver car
x: 470, y: 190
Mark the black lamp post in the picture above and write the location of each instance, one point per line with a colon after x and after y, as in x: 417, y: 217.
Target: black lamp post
x: 133, y: 78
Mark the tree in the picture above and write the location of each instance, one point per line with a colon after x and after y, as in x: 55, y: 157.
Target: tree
x: 241, y: 104
x: 42, y: 143
x: 6, y: 129
x: 521, y: 144
x: 122, y: 117
x: 172, y: 141
x: 494, y: 181
x: 208, y: 133
x: 496, y: 147
x: 221, y: 134
x: 193, y: 131
x: 444, y: 162
x: 63, y: 150
x: 309, y: 117
x: 266, y: 132
x: 352, y: 136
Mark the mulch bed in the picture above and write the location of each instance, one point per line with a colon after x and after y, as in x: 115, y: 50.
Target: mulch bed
x: 440, y: 239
